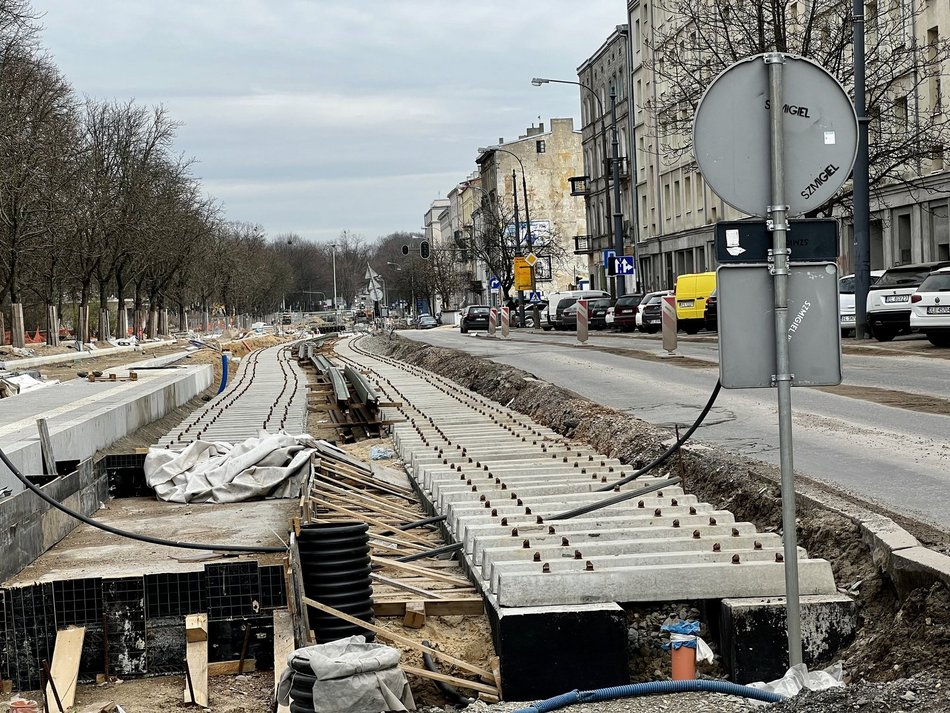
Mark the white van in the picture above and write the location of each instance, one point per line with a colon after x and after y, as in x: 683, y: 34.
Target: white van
x: 557, y: 301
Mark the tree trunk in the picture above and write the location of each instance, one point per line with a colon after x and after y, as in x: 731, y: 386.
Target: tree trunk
x: 104, y: 330
x: 82, y: 332
x: 52, y: 326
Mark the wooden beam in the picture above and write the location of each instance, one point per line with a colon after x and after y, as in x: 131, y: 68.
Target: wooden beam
x: 407, y: 535
x: 421, y: 571
x: 283, y: 648
x: 231, y: 668
x: 453, y: 680
x: 46, y: 448
x: 196, y: 627
x: 65, y: 669
x: 468, y: 606
x: 389, y: 635
x: 407, y: 587
x: 196, y: 677
x: 415, y: 617
x: 295, y: 594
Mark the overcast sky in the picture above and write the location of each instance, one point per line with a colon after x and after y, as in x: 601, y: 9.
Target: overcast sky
x: 315, y: 116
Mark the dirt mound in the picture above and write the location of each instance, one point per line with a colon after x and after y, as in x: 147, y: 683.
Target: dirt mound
x: 894, y: 639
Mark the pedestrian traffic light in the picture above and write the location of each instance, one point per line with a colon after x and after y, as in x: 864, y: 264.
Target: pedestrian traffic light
x: 424, y: 249
x: 405, y: 249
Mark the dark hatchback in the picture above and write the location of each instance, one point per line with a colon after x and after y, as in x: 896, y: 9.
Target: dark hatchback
x: 650, y: 315
x: 711, y: 315
x: 474, y: 317
x: 625, y: 312
x: 597, y: 312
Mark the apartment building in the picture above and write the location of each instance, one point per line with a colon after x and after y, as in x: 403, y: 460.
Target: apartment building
x: 677, y: 209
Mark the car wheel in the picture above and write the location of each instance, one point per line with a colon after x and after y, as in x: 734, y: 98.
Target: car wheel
x: 463, y: 329
x: 883, y: 334
x: 939, y: 339
x: 691, y: 329
x: 546, y: 327
x: 651, y: 330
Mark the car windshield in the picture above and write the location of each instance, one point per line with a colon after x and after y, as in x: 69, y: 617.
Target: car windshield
x: 478, y: 310
x: 602, y: 302
x: 846, y: 285
x: 936, y: 283
x: 629, y: 300
x: 903, y: 277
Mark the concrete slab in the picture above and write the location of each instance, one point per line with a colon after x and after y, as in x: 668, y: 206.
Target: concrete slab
x: 918, y: 567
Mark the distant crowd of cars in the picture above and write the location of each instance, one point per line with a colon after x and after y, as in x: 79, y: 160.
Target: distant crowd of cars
x: 902, y: 299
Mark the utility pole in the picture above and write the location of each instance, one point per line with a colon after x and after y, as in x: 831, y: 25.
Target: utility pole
x: 514, y: 191
x: 619, y: 286
x: 861, y: 210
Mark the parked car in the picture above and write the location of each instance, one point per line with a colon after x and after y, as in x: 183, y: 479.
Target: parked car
x: 597, y: 312
x: 846, y: 299
x: 473, y: 317
x: 930, y: 307
x: 692, y: 290
x: 625, y: 312
x: 711, y: 315
x: 426, y: 321
x: 569, y: 316
x: 557, y: 301
x: 889, y: 298
x: 648, y: 320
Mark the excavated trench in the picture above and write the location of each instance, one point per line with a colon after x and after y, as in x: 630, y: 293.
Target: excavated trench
x: 897, y: 636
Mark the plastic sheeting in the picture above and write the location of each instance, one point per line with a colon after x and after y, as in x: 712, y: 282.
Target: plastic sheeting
x: 352, y: 676
x: 271, y: 466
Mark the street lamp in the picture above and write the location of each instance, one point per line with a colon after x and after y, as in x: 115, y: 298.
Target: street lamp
x: 336, y: 309
x: 616, y: 214
x: 527, y: 220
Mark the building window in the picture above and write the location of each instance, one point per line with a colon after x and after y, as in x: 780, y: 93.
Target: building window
x: 539, y: 146
x: 677, y: 202
x: 900, y: 113
x: 904, y: 250
x: 688, y: 193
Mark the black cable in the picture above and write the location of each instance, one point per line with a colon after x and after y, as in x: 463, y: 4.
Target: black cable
x: 584, y: 509
x: 666, y: 456
x: 449, y: 691
x: 122, y: 533
x: 444, y: 549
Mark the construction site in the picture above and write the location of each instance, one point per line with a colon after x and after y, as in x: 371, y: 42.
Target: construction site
x: 208, y: 524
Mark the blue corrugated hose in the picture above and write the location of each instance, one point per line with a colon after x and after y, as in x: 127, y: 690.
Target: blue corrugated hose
x: 224, y: 372
x: 650, y: 689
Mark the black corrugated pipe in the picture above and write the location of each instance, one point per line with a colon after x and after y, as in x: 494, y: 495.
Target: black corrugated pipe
x: 450, y: 692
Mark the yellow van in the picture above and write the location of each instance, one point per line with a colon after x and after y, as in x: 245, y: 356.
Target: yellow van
x: 692, y: 291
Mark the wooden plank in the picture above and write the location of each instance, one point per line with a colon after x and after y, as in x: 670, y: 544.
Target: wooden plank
x: 455, y: 681
x: 376, y: 502
x: 407, y: 535
x: 46, y: 448
x: 196, y: 655
x: 495, y: 663
x: 415, y: 617
x: 389, y: 635
x: 421, y: 571
x: 283, y: 647
x: 467, y: 606
x: 302, y: 619
x: 65, y: 668
x: 196, y: 627
x: 231, y: 668
x: 407, y: 587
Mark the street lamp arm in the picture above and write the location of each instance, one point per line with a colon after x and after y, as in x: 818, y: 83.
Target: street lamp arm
x: 538, y: 81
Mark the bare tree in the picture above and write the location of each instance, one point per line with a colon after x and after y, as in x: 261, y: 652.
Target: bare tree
x: 493, y: 241
x: 702, y: 39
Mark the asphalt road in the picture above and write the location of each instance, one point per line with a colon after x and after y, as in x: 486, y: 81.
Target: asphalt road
x: 896, y: 456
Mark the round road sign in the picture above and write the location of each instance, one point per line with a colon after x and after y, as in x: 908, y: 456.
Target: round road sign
x: 731, y: 135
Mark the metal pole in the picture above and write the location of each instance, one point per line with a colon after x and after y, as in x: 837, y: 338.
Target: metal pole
x: 527, y: 220
x: 778, y: 212
x: 514, y: 191
x: 632, y: 163
x: 619, y: 286
x: 862, y: 208
x: 336, y: 311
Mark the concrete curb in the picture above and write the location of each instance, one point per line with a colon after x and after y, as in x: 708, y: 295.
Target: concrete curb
x: 30, y: 362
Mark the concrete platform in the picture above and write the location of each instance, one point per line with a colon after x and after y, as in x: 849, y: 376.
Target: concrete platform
x: 84, y: 417
x: 88, y: 552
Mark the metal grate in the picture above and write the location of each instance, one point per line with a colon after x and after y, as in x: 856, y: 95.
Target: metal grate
x: 78, y: 602
x: 34, y: 631
x: 273, y: 595
x: 6, y: 634
x: 124, y: 604
x: 233, y: 590
x: 175, y: 594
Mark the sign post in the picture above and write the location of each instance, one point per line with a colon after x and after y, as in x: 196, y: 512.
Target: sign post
x: 794, y: 112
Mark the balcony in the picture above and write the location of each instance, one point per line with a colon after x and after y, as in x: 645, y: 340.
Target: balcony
x: 591, y: 244
x: 579, y: 186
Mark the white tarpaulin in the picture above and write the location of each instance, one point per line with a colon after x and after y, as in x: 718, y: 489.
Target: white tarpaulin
x: 348, y: 676
x: 271, y: 466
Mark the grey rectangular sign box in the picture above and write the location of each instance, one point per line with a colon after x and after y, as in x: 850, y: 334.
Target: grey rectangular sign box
x: 750, y: 240
x: 747, y: 325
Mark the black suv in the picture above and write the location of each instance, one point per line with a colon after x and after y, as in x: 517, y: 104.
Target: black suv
x: 474, y: 317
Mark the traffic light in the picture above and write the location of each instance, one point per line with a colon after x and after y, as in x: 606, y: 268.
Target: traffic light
x: 424, y: 249
x: 405, y: 249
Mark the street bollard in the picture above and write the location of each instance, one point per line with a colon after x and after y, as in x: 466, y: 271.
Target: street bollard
x: 492, y: 320
x: 668, y: 312
x: 505, y: 321
x: 582, y: 321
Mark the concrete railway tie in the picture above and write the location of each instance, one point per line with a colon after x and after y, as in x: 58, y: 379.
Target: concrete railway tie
x: 500, y: 478
x: 267, y: 394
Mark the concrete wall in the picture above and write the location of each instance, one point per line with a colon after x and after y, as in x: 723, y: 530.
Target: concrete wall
x: 29, y: 526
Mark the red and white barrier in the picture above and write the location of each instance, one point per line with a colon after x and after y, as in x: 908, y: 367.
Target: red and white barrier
x: 492, y: 320
x: 505, y: 321
x: 582, y: 321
